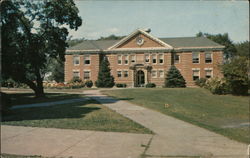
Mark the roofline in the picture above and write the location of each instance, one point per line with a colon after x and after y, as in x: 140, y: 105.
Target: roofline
x: 143, y: 32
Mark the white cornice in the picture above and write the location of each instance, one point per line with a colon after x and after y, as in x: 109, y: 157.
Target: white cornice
x: 144, y: 33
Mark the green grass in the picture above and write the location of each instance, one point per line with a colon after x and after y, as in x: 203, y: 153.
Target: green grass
x: 88, y: 115
x: 29, y: 98
x: 195, y: 105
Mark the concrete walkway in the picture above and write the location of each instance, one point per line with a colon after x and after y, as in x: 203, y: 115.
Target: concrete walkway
x: 174, y: 137
x: 67, y: 143
x: 67, y: 101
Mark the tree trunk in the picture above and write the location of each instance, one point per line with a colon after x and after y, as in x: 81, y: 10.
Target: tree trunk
x: 39, y: 92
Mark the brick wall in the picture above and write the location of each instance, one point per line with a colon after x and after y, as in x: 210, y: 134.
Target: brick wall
x: 93, y: 67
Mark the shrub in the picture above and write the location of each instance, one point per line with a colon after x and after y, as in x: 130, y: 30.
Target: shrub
x: 75, y: 79
x: 5, y: 102
x: 150, y: 85
x: 217, y: 86
x: 121, y: 85
x: 89, y: 83
x: 201, y: 82
x: 174, y: 78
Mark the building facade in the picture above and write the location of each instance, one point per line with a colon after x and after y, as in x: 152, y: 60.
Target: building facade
x: 141, y: 58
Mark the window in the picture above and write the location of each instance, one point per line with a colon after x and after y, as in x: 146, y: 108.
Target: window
x: 86, y: 59
x: 146, y: 58
x: 208, y: 57
x: 86, y: 75
x: 208, y: 73
x: 132, y: 58
x: 161, y: 58
x: 125, y: 73
x: 154, y: 59
x: 176, y: 59
x: 76, y: 74
x: 119, y: 74
x: 196, y: 74
x: 195, y: 56
x: 154, y: 74
x: 76, y: 60
x: 126, y: 60
x: 119, y: 60
x: 161, y: 73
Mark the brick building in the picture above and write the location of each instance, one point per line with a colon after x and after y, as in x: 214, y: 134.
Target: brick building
x: 141, y: 58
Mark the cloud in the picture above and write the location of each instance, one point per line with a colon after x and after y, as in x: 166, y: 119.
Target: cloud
x: 113, y: 30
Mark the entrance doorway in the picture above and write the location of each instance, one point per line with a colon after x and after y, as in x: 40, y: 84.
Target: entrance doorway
x: 140, y: 79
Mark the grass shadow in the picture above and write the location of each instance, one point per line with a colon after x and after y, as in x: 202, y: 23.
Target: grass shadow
x: 64, y: 111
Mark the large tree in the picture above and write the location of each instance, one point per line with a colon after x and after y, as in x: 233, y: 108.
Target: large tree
x: 243, y: 48
x: 223, y: 39
x: 174, y: 78
x: 33, y: 32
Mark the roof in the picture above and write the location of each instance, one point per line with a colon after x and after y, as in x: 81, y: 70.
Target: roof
x: 175, y: 43
x: 190, y: 42
x: 93, y: 45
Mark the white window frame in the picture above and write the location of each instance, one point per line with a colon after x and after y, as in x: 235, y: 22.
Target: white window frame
x: 85, y: 56
x: 119, y: 59
x: 160, y: 58
x: 126, y: 56
x: 131, y: 58
x: 198, y: 57
x: 148, y: 58
x: 154, y: 55
x: 78, y: 73
x: 155, y: 73
x: 117, y: 73
x: 84, y: 74
x: 161, y: 70
x: 74, y: 60
x: 211, y: 57
x: 124, y: 73
x: 209, y: 69
x: 196, y: 69
x: 179, y: 61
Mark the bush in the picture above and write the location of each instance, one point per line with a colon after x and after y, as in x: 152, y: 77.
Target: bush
x: 236, y: 74
x: 75, y: 79
x: 201, y: 82
x: 5, y: 102
x: 89, y: 83
x: 121, y: 85
x: 150, y: 85
x: 174, y: 78
x: 217, y: 86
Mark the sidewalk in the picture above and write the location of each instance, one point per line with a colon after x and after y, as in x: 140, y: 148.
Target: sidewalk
x: 51, y: 142
x: 174, y: 137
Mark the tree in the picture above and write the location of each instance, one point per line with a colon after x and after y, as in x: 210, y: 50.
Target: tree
x: 57, y: 70
x: 243, y: 48
x: 223, y: 39
x: 105, y: 79
x: 236, y: 75
x: 111, y: 37
x: 33, y: 32
x: 174, y: 78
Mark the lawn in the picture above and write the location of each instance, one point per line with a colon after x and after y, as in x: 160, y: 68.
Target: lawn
x: 197, y: 106
x: 29, y: 97
x: 87, y: 115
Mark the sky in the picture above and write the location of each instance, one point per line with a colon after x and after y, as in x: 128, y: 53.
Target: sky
x: 164, y: 18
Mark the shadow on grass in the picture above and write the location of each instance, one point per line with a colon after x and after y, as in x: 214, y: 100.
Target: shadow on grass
x: 64, y: 111
x: 29, y: 98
